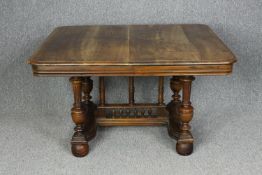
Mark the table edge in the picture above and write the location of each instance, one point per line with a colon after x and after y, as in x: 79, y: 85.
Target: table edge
x: 131, y: 70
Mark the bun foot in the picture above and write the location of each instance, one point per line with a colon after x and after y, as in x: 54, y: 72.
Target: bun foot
x: 80, y: 150
x: 184, y: 149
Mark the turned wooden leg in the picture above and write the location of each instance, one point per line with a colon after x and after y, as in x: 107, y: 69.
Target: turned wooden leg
x: 185, y: 140
x: 90, y: 107
x: 79, y: 144
x: 173, y: 108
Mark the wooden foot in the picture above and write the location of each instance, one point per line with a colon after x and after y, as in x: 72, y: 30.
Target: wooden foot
x: 83, y: 116
x: 184, y: 149
x: 80, y: 150
x: 173, y: 108
x: 79, y: 145
x: 185, y: 140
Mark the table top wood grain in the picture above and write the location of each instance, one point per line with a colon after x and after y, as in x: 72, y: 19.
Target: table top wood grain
x: 132, y: 50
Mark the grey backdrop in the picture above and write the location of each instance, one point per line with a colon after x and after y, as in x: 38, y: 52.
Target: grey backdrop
x: 35, y: 122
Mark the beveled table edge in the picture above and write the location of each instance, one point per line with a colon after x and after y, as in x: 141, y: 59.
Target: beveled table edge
x: 131, y: 70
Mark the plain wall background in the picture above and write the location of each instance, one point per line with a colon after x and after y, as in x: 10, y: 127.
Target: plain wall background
x: 41, y: 106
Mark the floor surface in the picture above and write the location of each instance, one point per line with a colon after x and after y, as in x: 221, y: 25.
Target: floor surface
x: 40, y: 145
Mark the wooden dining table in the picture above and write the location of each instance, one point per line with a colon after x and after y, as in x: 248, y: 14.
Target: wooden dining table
x: 179, y: 51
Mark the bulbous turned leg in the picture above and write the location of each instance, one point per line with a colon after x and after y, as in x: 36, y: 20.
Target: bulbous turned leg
x: 79, y: 144
x: 173, y: 108
x: 90, y: 107
x: 185, y: 140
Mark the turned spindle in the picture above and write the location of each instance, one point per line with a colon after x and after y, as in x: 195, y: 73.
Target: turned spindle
x: 139, y: 113
x: 121, y: 113
x: 131, y: 91
x: 173, y: 108
x: 87, y: 86
x: 90, y: 107
x: 135, y: 113
x: 128, y: 113
x: 143, y: 112
x: 117, y: 112
x: 161, y: 91
x: 149, y: 112
x: 113, y: 113
x: 102, y: 91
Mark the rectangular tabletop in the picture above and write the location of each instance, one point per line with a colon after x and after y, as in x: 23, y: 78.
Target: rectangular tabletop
x: 133, y: 50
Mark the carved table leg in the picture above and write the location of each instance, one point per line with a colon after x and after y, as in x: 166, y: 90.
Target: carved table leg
x: 79, y: 144
x: 173, y: 108
x: 185, y: 140
x: 90, y: 107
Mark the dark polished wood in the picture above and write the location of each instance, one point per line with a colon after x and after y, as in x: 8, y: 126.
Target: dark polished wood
x: 79, y: 143
x: 131, y: 91
x: 133, y: 50
x: 137, y: 114
x: 102, y: 91
x: 180, y: 51
x: 185, y: 140
x: 161, y: 91
x: 82, y: 115
x: 90, y: 108
x: 173, y: 108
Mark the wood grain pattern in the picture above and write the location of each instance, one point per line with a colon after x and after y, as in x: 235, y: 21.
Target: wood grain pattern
x: 90, y: 50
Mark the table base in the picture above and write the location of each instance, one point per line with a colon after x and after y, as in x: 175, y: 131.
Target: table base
x: 87, y: 115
